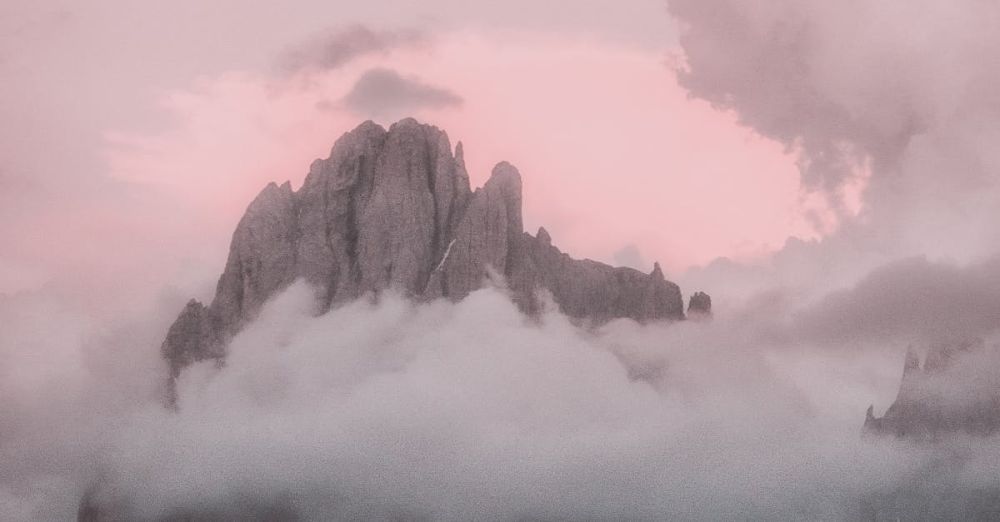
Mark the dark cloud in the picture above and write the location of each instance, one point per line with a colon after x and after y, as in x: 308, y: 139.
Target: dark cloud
x: 902, y: 89
x: 386, y: 93
x: 913, y: 299
x: 335, y: 48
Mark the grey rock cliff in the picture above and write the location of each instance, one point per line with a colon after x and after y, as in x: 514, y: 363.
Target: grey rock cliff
x: 261, y: 258
x: 393, y: 209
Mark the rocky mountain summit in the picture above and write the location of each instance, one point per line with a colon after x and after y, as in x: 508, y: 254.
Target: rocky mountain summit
x: 955, y: 391
x: 393, y: 209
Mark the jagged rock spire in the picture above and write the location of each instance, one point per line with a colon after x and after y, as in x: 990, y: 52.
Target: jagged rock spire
x: 543, y: 236
x: 657, y: 272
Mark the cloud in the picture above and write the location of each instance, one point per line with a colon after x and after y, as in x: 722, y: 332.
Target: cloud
x: 912, y: 299
x: 390, y: 409
x: 69, y: 378
x: 890, y: 96
x: 384, y: 93
x: 337, y: 48
x: 629, y: 255
x: 395, y: 409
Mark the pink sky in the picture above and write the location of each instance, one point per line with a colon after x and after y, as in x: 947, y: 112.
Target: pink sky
x: 146, y: 131
x: 613, y: 152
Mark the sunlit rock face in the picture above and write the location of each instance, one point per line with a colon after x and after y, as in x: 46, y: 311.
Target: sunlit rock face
x: 954, y: 392
x: 393, y: 209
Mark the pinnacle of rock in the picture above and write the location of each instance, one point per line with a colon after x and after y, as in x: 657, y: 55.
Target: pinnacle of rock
x: 543, y: 236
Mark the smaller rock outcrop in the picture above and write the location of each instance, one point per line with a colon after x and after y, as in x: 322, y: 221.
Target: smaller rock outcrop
x: 699, y: 305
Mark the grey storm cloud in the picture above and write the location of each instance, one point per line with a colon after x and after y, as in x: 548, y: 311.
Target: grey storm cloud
x: 899, y: 91
x: 336, y: 48
x: 913, y: 299
x: 384, y: 92
x: 903, y: 87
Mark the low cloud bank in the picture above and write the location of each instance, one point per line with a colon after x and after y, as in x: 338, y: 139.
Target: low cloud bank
x: 448, y: 411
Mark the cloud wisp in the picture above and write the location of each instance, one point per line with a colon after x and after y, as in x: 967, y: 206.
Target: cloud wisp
x: 336, y: 48
x: 386, y: 94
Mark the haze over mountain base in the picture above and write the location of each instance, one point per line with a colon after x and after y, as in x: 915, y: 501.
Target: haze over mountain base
x: 471, y: 410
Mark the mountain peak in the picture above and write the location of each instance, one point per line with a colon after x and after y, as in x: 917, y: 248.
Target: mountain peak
x: 394, y: 210
x: 543, y: 236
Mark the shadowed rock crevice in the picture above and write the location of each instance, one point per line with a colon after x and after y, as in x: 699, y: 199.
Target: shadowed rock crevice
x: 393, y: 209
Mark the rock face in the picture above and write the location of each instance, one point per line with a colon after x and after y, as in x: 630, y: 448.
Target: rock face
x: 954, y: 392
x: 394, y: 209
